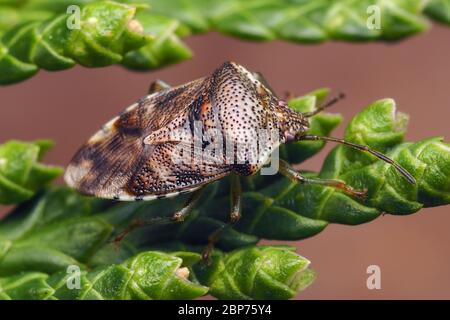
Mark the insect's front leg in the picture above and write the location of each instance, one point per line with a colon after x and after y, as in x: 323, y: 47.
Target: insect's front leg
x: 188, y: 206
x: 179, y: 216
x: 291, y: 173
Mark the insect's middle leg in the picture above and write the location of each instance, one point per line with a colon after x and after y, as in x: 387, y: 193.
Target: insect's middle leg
x: 235, y: 197
x: 235, y: 215
x: 291, y: 173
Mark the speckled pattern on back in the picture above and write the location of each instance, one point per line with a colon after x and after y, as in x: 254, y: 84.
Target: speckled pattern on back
x: 141, y: 154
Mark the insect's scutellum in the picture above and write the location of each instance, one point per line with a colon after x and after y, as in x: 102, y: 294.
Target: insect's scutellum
x: 179, y: 139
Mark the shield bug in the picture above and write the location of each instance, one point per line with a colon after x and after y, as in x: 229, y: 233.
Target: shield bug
x: 177, y: 140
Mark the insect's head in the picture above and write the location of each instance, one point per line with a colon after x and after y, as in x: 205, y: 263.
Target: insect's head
x: 295, y: 124
x: 291, y: 122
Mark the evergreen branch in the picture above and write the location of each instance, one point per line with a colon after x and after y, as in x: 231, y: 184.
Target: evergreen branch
x: 35, y: 34
x: 59, y: 228
x: 106, y: 31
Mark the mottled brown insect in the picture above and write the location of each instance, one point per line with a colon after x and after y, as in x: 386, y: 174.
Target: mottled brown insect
x: 133, y: 157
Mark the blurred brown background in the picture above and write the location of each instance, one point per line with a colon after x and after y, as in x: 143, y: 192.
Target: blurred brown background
x: 412, y: 251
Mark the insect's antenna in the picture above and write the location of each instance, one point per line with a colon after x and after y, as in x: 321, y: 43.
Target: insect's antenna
x: 325, y: 106
x: 377, y: 154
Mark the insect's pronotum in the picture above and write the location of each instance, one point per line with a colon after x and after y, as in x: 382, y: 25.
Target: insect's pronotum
x: 153, y: 149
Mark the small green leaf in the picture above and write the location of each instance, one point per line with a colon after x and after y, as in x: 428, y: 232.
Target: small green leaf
x: 10, y: 16
x: 28, y: 286
x: 439, y: 10
x: 263, y: 272
x: 167, y: 48
x: 12, y: 69
x: 24, y: 258
x: 191, y: 13
x: 20, y: 173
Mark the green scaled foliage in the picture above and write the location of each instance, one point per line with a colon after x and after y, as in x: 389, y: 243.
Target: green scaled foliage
x: 300, y: 20
x: 263, y: 272
x: 52, y: 231
x: 148, y: 275
x: 36, y: 35
x: 167, y: 48
x: 10, y: 17
x: 439, y: 10
x: 59, y: 228
x: 42, y: 240
x: 320, y: 20
x: 102, y: 33
x: 21, y: 173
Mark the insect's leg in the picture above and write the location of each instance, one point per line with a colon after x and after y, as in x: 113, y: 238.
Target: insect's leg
x: 138, y: 223
x: 177, y: 217
x: 235, y: 215
x: 235, y: 197
x: 325, y: 105
x: 291, y: 173
x: 188, y: 206
x: 157, y: 85
x: 212, y: 240
x: 377, y: 154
